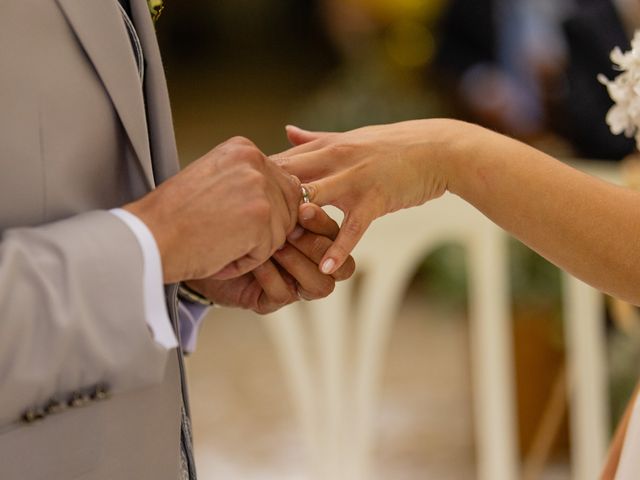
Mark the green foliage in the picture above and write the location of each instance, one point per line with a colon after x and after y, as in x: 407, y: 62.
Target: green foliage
x: 443, y: 274
x: 534, y: 281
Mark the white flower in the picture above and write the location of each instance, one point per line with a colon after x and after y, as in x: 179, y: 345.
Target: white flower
x: 624, y: 90
x: 618, y: 121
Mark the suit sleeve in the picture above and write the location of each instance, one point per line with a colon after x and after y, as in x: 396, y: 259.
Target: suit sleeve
x: 72, y: 313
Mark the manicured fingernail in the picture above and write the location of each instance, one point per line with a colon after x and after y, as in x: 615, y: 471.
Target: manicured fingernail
x: 327, y: 266
x: 307, y: 213
x: 296, y: 234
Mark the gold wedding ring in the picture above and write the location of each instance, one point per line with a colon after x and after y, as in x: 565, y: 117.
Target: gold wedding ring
x: 305, y: 194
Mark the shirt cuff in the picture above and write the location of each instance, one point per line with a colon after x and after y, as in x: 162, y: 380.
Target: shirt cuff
x: 155, y: 305
x: 190, y: 315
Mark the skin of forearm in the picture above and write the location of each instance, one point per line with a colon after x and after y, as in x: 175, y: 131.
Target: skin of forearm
x: 582, y: 224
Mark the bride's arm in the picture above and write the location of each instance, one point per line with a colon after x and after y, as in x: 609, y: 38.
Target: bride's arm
x: 582, y: 224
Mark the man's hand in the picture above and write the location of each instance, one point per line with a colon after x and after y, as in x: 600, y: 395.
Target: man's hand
x: 223, y: 215
x: 291, y: 274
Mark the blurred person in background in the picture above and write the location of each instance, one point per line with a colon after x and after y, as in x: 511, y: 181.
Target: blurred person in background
x: 109, y: 256
x: 529, y: 68
x: 500, y: 54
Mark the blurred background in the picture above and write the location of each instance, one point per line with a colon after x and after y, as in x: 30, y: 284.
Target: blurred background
x: 524, y: 67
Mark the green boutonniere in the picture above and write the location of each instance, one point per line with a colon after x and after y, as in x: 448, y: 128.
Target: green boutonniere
x: 155, y: 8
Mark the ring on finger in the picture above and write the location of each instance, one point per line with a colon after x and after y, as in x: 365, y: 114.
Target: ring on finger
x: 306, y: 195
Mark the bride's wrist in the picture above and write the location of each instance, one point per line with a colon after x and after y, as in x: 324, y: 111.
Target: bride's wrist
x: 463, y: 156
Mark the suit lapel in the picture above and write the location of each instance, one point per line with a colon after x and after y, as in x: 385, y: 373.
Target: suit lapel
x: 163, y: 143
x: 100, y: 29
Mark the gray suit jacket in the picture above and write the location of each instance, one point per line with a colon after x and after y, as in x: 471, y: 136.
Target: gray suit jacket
x: 74, y: 141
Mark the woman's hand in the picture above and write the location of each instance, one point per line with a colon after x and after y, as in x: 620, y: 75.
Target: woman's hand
x: 371, y: 171
x: 582, y: 224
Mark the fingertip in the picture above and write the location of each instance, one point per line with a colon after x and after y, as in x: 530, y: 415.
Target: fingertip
x: 328, y: 266
x: 307, y: 211
x: 295, y: 235
x: 294, y: 134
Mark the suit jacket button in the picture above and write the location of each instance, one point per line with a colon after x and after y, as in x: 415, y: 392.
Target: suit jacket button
x: 79, y: 400
x: 100, y: 393
x: 29, y: 416
x: 55, y: 406
x: 33, y: 414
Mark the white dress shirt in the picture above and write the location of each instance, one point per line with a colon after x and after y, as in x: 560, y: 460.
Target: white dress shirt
x: 156, y: 314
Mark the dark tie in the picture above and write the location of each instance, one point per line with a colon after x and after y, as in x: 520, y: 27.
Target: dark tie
x: 125, y: 9
x: 126, y: 6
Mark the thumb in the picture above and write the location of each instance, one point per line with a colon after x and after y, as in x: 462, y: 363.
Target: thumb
x: 298, y: 136
x: 353, y: 227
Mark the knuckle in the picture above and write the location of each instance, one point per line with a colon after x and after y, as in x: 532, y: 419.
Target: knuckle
x: 277, y: 299
x: 296, y: 184
x: 325, y: 287
x: 340, y: 149
x: 354, y: 226
x: 256, y: 180
x: 260, y: 210
x: 279, y: 237
x: 240, y: 140
x: 247, y: 153
x: 250, y: 156
x: 339, y: 251
x: 319, y: 247
x: 254, y: 156
x: 321, y: 288
x: 284, y: 299
x: 261, y: 252
x: 281, y: 162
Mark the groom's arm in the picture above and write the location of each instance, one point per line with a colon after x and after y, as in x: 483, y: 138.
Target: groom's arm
x: 71, y: 313
x: 72, y: 296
